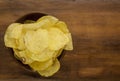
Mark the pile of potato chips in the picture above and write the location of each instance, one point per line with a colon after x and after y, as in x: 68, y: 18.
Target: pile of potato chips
x: 39, y: 43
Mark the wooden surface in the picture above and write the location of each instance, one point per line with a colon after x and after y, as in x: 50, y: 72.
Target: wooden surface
x: 95, y: 27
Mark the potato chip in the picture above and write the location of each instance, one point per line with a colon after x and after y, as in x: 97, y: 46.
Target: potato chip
x: 62, y: 26
x: 9, y: 42
x: 12, y: 34
x: 14, y: 30
x: 35, y: 25
x: 69, y: 45
x: 57, y: 39
x: 24, y: 56
x: 43, y: 56
x: 47, y: 26
x: 50, y: 70
x: 52, y: 19
x: 36, y: 41
x: 16, y: 53
x: 20, y: 43
x: 57, y: 53
x: 36, y: 65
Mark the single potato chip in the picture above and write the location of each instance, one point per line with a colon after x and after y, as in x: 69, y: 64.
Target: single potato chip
x: 36, y: 65
x: 26, y: 57
x: 35, y: 25
x: 57, y: 53
x: 50, y: 70
x: 9, y: 42
x: 23, y: 56
x: 52, y: 19
x: 16, y: 53
x: 14, y: 31
x: 57, y: 39
x: 62, y: 26
x: 12, y: 34
x: 43, y: 56
x: 20, y: 43
x: 36, y: 41
x: 69, y: 45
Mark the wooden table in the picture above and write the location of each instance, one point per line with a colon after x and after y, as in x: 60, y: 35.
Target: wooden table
x: 95, y: 27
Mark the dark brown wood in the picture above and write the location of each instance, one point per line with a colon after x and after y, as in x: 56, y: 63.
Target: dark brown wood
x: 95, y: 27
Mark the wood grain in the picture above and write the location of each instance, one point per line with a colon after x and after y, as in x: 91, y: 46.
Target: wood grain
x: 95, y: 27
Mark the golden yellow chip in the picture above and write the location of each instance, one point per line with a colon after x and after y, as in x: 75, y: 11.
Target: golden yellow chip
x: 36, y: 41
x: 35, y: 25
x: 43, y: 56
x: 16, y: 53
x: 57, y: 39
x: 50, y: 70
x: 62, y: 26
x: 57, y: 53
x: 69, y: 45
x: 24, y: 56
x: 52, y: 19
x: 9, y: 42
x: 20, y: 43
x: 13, y: 33
x: 36, y: 65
